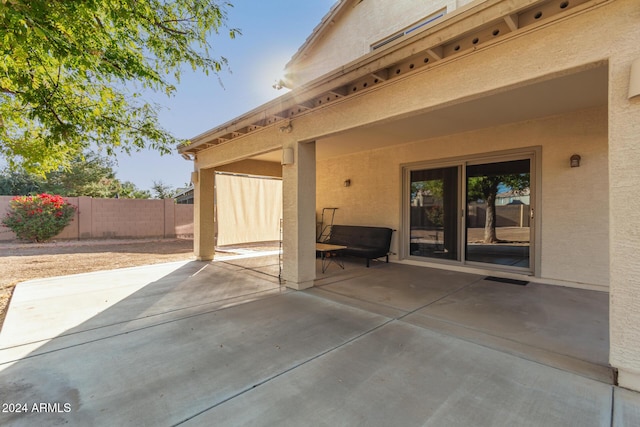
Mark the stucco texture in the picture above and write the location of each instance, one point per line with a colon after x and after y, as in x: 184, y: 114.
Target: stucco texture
x: 574, y: 206
x: 358, y: 28
x: 589, y: 216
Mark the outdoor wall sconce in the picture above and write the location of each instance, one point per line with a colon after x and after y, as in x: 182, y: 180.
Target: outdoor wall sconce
x: 634, y: 79
x: 287, y: 156
x: 194, y: 177
x: 575, y: 161
x: 347, y: 183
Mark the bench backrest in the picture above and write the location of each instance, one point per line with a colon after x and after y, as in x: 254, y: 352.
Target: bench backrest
x: 355, y: 235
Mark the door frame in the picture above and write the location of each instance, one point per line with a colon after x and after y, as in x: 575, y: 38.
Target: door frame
x: 534, y: 154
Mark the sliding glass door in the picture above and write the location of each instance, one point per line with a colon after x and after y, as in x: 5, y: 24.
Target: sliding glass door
x: 498, y: 213
x: 434, y: 213
x: 472, y: 211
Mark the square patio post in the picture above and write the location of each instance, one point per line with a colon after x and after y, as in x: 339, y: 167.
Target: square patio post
x: 299, y: 216
x: 203, y: 215
x: 624, y: 217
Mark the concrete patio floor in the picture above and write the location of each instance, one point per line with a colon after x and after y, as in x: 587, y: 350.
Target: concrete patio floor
x: 223, y: 343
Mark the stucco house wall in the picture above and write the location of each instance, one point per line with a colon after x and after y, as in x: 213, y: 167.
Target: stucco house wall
x: 595, y: 33
x: 575, y: 209
x: 356, y: 29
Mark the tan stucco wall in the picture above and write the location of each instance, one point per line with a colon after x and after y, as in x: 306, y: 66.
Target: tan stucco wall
x: 358, y: 28
x: 574, y: 211
x: 624, y: 175
x: 607, y: 32
x: 253, y: 167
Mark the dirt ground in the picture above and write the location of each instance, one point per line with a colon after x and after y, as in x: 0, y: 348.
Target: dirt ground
x: 20, y: 262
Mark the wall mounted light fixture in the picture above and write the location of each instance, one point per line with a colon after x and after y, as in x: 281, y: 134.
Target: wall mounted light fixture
x: 347, y: 183
x: 634, y: 79
x: 287, y: 156
x: 194, y: 177
x: 575, y: 161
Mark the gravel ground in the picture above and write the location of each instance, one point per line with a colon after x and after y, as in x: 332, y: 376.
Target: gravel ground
x: 20, y: 261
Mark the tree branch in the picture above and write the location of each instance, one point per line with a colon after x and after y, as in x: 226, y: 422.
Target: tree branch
x: 9, y: 91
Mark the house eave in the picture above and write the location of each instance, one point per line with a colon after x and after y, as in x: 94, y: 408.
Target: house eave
x: 462, y: 33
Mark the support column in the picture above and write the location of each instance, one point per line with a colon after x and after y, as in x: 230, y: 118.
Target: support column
x: 624, y: 217
x: 299, y: 216
x: 204, y: 245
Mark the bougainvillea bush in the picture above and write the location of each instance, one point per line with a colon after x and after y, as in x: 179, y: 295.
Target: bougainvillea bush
x: 38, y: 218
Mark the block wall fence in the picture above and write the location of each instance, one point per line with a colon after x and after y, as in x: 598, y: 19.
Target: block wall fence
x: 119, y: 219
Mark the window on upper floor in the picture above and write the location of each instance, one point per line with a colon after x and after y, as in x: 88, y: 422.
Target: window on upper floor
x: 429, y: 19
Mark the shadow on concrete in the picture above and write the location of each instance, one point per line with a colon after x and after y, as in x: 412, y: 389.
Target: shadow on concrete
x: 557, y: 326
x: 223, y: 343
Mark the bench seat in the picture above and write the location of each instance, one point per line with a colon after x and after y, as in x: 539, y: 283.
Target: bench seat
x: 361, y: 241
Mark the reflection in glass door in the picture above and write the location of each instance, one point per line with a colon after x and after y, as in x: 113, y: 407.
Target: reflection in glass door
x: 498, y: 213
x: 434, y: 213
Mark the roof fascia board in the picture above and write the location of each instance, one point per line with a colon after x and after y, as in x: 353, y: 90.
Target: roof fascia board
x: 438, y: 33
x: 468, y: 18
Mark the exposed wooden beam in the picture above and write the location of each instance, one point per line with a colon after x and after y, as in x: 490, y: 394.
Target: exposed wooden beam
x: 249, y: 129
x: 339, y: 91
x: 381, y: 75
x: 274, y: 118
x: 512, y: 21
x: 305, y: 106
x: 436, y: 52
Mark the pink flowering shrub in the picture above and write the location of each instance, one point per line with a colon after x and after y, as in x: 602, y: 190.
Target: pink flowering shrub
x: 38, y: 218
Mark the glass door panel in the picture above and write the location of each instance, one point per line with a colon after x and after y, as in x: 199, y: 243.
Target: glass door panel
x: 498, y: 213
x: 434, y: 213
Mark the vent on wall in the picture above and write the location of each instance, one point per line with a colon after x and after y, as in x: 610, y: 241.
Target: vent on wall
x: 434, y: 16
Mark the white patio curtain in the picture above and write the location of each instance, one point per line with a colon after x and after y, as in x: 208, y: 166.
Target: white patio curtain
x: 248, y: 209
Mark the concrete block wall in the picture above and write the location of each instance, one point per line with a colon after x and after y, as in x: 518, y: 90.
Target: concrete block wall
x: 119, y: 218
x: 5, y: 233
x: 112, y: 218
x: 183, y: 220
x: 71, y: 231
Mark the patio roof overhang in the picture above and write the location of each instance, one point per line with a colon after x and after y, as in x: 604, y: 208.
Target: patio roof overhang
x: 468, y: 29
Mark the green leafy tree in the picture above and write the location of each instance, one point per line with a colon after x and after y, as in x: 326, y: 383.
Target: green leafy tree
x: 72, y: 73
x: 162, y: 191
x: 486, y: 188
x: 128, y: 190
x: 19, y: 183
x: 87, y: 175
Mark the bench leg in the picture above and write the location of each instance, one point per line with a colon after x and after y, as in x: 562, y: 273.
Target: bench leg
x: 367, y: 262
x: 387, y: 259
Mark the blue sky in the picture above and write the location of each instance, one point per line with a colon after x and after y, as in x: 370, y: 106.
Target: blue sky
x: 272, y: 31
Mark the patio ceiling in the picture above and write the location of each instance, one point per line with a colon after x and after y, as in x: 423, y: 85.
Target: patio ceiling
x: 562, y: 94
